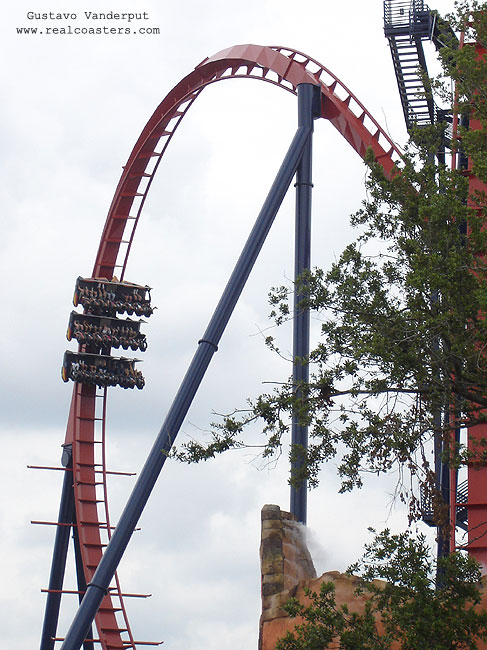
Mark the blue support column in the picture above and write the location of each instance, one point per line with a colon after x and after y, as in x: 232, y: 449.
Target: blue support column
x: 65, y: 519
x: 174, y: 419
x: 307, y: 94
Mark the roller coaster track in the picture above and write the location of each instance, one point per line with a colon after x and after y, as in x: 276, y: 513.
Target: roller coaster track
x: 283, y: 67
x: 277, y: 65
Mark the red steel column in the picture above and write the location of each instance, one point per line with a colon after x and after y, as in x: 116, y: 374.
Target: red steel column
x: 477, y: 473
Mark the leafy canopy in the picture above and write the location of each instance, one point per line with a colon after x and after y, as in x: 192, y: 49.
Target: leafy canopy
x: 414, y: 611
x: 401, y: 362
x: 401, y: 359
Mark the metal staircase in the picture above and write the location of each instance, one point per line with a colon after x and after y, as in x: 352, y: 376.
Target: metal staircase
x: 406, y: 24
x: 461, y: 519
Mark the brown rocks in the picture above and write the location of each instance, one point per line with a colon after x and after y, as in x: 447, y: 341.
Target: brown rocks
x: 285, y: 562
x: 287, y: 571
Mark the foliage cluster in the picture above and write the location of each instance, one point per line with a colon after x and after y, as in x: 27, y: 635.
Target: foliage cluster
x: 401, y: 364
x: 411, y: 609
x: 401, y: 361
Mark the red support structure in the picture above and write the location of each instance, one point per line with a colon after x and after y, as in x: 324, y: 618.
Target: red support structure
x: 477, y: 472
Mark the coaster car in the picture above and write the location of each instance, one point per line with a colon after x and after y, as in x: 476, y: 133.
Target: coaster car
x: 101, y: 370
x: 105, y: 332
x: 101, y: 297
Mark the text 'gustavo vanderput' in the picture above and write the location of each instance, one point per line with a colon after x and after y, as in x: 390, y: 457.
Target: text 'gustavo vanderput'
x: 88, y: 15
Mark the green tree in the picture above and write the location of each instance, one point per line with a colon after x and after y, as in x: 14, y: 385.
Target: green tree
x: 402, y: 357
x: 401, y: 362
x: 414, y: 612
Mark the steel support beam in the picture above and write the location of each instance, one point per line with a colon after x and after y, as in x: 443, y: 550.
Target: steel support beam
x: 307, y: 111
x: 58, y: 565
x: 207, y: 346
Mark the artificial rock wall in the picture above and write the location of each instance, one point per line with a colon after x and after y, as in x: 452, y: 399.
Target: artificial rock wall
x: 287, y: 570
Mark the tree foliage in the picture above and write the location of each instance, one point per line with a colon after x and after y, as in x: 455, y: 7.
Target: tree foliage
x: 402, y: 356
x: 401, y: 362
x: 414, y: 611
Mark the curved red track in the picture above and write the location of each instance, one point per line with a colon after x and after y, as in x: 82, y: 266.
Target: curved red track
x: 281, y: 66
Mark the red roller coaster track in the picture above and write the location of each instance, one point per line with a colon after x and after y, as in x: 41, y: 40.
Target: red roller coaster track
x: 280, y: 66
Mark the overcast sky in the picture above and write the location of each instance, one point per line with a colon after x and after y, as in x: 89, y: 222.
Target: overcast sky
x: 73, y: 107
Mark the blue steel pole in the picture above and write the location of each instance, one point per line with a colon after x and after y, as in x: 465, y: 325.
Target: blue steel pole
x: 58, y: 566
x: 207, y: 346
x: 302, y: 258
